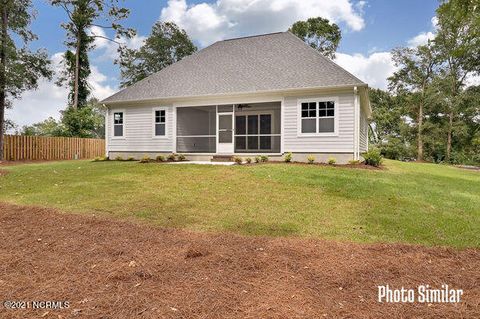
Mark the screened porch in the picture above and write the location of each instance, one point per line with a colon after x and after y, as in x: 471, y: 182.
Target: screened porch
x: 229, y: 129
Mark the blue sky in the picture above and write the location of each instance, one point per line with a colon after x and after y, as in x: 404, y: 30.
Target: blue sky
x: 370, y: 29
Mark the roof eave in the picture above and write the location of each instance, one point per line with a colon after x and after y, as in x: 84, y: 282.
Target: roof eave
x: 236, y: 94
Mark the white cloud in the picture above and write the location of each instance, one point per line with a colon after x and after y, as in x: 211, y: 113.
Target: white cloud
x: 472, y: 80
x: 49, y: 99
x: 97, y: 81
x: 210, y: 22
x: 373, y: 69
x: 421, y: 39
x: 109, y: 49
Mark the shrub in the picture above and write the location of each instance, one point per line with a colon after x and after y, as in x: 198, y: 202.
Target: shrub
x: 172, y: 157
x: 373, y: 157
x: 264, y: 158
x: 130, y: 159
x: 288, y: 157
x: 258, y: 159
x: 354, y: 162
x: 238, y: 160
x: 181, y: 157
x: 331, y: 161
x: 249, y: 160
x: 311, y: 159
x: 119, y: 158
x: 145, y: 159
x: 160, y: 158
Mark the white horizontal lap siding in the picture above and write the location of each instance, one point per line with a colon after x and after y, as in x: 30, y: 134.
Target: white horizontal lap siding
x: 363, y: 132
x: 342, y: 143
x: 138, y: 130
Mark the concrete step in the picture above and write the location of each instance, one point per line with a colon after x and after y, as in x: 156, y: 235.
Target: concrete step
x: 222, y: 158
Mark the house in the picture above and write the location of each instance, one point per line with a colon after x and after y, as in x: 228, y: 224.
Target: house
x: 266, y: 94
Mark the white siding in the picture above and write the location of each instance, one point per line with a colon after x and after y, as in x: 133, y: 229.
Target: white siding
x: 363, y: 132
x: 138, y: 130
x: 341, y: 143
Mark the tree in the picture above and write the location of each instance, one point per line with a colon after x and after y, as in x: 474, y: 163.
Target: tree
x: 458, y: 42
x: 166, y: 45
x: 417, y: 69
x: 49, y: 127
x: 83, y: 15
x: 8, y: 125
x: 392, y: 133
x: 20, y: 68
x: 320, y: 34
x: 87, y: 122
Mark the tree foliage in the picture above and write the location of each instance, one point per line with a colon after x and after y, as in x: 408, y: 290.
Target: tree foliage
x: 87, y: 122
x: 458, y: 44
x: 320, y: 34
x: 82, y: 16
x: 416, y: 71
x: 430, y: 94
x: 48, y: 127
x: 20, y: 68
x: 166, y: 45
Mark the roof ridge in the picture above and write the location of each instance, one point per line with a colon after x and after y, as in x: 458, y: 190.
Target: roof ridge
x: 324, y: 57
x: 253, y: 36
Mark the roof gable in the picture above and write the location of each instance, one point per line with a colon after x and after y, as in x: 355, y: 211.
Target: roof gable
x: 272, y: 62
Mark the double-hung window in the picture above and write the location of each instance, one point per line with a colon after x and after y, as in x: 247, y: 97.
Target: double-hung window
x: 159, y: 122
x: 317, y: 117
x: 118, y: 124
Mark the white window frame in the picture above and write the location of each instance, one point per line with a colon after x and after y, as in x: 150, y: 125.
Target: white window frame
x: 160, y: 108
x: 317, y: 117
x: 123, y: 124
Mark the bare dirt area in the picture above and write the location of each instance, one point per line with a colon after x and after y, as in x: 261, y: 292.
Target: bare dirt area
x: 117, y: 269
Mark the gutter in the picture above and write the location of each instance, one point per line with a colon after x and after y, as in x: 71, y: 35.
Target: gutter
x: 234, y: 94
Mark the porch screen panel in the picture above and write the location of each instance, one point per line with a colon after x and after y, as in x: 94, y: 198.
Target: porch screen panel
x: 258, y: 131
x: 196, y: 129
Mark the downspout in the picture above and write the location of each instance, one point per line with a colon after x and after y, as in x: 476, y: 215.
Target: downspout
x: 106, y: 130
x: 356, y: 133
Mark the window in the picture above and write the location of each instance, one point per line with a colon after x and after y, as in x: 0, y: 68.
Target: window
x: 326, y: 117
x: 309, y: 115
x: 317, y: 117
x: 253, y: 132
x: 118, y: 124
x: 160, y: 123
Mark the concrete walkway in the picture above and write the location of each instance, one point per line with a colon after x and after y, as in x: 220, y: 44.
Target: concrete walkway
x: 204, y: 163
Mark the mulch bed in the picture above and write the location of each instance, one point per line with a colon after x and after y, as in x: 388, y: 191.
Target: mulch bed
x: 118, y: 269
x: 359, y: 165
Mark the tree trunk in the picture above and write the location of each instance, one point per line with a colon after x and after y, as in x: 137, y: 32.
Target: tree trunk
x: 449, y: 136
x: 77, y: 73
x: 3, y: 76
x: 420, y: 137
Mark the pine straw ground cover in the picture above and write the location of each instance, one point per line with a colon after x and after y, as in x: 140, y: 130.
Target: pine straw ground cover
x: 118, y: 269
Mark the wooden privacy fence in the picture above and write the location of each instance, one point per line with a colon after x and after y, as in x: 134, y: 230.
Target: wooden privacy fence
x: 22, y: 148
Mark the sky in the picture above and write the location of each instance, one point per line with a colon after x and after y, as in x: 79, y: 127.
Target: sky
x: 370, y: 30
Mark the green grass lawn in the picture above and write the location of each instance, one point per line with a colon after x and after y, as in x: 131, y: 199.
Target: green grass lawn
x: 408, y: 202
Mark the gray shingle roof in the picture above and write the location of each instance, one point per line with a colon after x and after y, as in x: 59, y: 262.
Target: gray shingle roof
x: 271, y: 62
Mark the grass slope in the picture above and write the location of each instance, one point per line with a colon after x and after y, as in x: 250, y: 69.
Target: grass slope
x: 413, y: 203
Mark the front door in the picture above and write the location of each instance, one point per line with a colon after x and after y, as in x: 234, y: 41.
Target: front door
x: 225, y: 133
